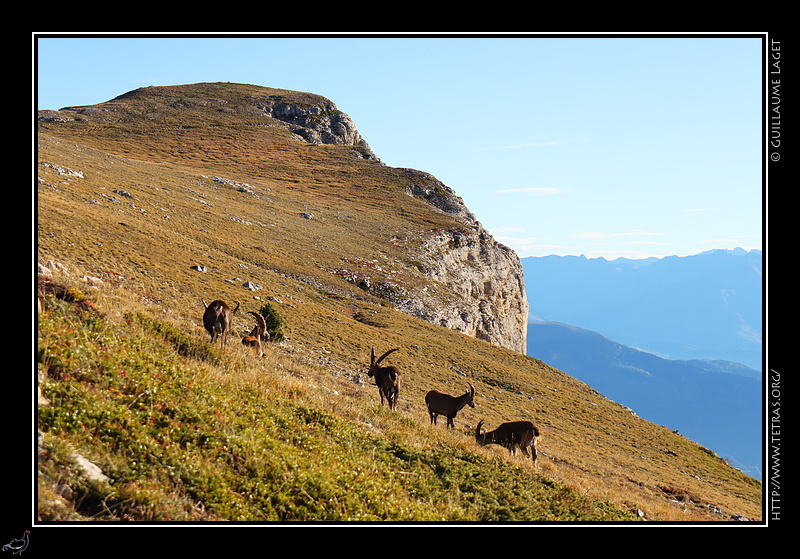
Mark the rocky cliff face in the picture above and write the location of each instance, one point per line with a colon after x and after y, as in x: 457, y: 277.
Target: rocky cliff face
x: 316, y: 122
x: 488, y: 277
x: 485, y: 276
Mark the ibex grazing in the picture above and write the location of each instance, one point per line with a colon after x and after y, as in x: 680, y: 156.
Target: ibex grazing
x: 512, y: 435
x: 448, y: 406
x: 387, y: 379
x: 218, y: 318
x: 257, y: 335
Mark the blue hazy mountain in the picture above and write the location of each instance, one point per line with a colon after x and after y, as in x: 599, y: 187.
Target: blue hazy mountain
x: 706, y: 306
x: 714, y: 403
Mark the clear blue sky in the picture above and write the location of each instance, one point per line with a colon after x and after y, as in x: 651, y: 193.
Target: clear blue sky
x: 600, y: 146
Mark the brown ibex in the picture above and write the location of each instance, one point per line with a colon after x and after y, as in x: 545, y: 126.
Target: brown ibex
x: 257, y: 335
x: 448, y: 406
x: 512, y: 435
x: 218, y: 319
x: 387, y: 379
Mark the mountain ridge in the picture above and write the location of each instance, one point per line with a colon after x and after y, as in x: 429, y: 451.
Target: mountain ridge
x: 704, y: 306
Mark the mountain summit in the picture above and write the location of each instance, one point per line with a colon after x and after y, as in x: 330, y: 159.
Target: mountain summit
x: 446, y: 268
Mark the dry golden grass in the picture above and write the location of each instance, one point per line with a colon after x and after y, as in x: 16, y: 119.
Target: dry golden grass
x: 178, y: 216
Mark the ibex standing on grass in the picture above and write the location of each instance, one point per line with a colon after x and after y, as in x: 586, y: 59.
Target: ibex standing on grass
x: 512, y: 435
x: 387, y: 379
x: 258, y: 335
x: 448, y: 406
x: 218, y: 319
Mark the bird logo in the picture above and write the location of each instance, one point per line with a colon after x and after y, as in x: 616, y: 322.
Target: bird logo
x: 18, y: 545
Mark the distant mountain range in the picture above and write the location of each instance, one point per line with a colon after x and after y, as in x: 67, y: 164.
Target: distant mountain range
x: 707, y: 306
x: 686, y: 331
x: 714, y: 403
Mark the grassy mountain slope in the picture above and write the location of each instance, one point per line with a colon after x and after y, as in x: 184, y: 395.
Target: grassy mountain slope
x: 137, y: 191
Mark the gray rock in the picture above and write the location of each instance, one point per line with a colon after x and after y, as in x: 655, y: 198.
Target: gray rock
x: 91, y: 470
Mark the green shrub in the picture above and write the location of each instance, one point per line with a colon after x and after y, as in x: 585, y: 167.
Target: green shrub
x: 274, y: 322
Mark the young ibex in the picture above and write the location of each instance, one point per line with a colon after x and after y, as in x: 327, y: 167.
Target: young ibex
x: 448, y: 406
x: 218, y: 319
x: 257, y: 335
x: 387, y: 379
x: 512, y: 435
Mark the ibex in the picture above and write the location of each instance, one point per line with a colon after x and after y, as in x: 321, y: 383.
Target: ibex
x: 218, y: 318
x: 257, y: 335
x: 448, y: 406
x: 387, y: 379
x: 512, y: 435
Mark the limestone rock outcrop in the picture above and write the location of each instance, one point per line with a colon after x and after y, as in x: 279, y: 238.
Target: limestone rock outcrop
x: 488, y: 277
x: 315, y: 119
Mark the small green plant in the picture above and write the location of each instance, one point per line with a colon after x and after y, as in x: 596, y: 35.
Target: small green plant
x: 273, y: 321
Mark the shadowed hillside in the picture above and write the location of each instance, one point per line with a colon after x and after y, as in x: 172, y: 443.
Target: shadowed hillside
x: 161, y: 197
x: 715, y: 403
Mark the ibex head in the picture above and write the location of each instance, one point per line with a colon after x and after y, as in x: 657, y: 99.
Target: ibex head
x: 257, y: 335
x: 374, y: 365
x: 471, y: 397
x: 387, y: 379
x: 480, y: 438
x: 260, y: 329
